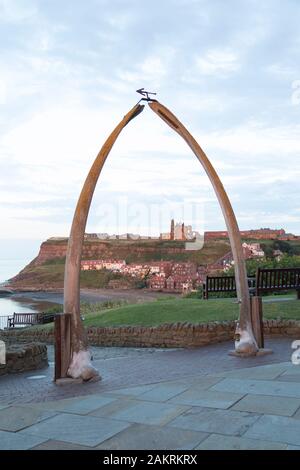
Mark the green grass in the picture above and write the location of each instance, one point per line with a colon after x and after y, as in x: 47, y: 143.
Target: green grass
x: 185, y: 310
x: 177, y: 311
x: 169, y: 311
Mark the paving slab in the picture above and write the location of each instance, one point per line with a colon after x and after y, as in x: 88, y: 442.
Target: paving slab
x: 54, y: 405
x: 202, y: 383
x: 276, y: 428
x: 207, y: 398
x: 144, y: 412
x: 133, y: 391
x: 81, y: 405
x: 258, y: 387
x: 163, y: 392
x: 15, y: 418
x: 219, y: 442
x: 139, y: 436
x: 296, y: 415
x: 18, y: 441
x: 86, y: 405
x: 83, y: 430
x: 60, y: 445
x: 215, y: 421
x: 267, y: 404
x: 122, y: 368
x: 289, y: 378
x: 292, y: 369
x: 270, y: 371
x: 136, y: 403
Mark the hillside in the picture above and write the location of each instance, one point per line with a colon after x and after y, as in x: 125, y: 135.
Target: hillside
x: 47, y: 269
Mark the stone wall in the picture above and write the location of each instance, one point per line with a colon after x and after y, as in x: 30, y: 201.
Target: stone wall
x: 24, y: 357
x: 178, y: 335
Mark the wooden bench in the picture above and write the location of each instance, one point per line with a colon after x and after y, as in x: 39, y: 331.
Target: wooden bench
x: 215, y: 284
x: 22, y: 319
x: 266, y: 280
x: 218, y: 284
x: 45, y: 318
x: 277, y: 279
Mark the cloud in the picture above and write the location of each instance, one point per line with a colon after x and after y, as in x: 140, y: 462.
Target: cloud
x: 218, y: 62
x: 69, y: 74
x: 254, y: 138
x: 16, y: 11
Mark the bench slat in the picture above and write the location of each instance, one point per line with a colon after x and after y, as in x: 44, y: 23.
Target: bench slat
x: 266, y: 280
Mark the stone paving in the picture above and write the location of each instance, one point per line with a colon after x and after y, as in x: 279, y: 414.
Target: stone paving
x: 124, y: 367
x: 202, y: 412
x: 201, y: 399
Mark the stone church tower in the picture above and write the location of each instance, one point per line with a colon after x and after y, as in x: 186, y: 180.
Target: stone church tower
x: 172, y: 230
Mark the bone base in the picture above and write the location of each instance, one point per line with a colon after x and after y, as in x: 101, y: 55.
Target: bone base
x: 259, y: 352
x: 81, y: 367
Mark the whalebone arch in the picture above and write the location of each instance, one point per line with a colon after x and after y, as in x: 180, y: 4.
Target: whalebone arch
x: 79, y: 364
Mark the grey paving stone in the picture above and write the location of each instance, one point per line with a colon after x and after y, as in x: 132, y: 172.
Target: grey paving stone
x: 276, y: 428
x: 267, y: 404
x: 132, y: 391
x: 289, y: 378
x: 127, y: 367
x: 81, y: 405
x: 139, y: 436
x: 15, y: 418
x: 292, y: 369
x: 83, y: 430
x: 270, y: 371
x: 18, y: 441
x: 119, y: 404
x: 218, y: 442
x: 215, y: 421
x: 163, y: 392
x: 55, y: 405
x: 148, y: 412
x: 259, y: 387
x: 87, y: 405
x: 207, y: 398
x: 203, y: 382
x: 60, y: 445
x: 296, y: 415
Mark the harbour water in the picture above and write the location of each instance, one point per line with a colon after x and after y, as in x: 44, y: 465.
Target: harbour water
x: 21, y: 303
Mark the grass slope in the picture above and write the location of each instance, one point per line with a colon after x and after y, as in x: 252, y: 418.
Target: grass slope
x: 186, y: 310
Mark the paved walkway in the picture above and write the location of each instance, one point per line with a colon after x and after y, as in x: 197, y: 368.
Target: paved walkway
x: 124, y: 367
x: 223, y: 403
x: 252, y: 408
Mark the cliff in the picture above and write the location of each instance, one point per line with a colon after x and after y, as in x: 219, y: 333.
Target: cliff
x: 46, y: 271
x: 131, y: 251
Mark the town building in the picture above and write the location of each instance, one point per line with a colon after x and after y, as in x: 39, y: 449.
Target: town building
x: 253, y: 250
x: 257, y: 234
x: 112, y: 265
x: 157, y: 283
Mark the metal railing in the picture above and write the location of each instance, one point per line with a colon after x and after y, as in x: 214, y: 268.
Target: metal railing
x: 3, y: 322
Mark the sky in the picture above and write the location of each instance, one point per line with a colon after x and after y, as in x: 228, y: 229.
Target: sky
x: 69, y: 71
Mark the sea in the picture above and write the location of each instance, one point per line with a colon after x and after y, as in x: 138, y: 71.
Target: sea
x: 22, y: 302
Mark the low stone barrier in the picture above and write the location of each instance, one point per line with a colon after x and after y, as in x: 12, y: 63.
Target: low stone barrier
x: 178, y: 335
x: 24, y: 357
